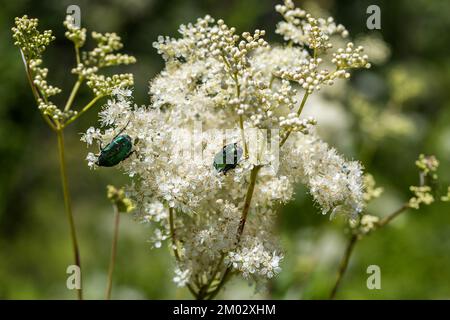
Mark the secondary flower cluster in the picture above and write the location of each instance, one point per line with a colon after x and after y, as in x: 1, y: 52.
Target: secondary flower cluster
x: 33, y: 43
x: 301, y: 28
x: 424, y: 194
x: 314, y: 34
x: 219, y: 89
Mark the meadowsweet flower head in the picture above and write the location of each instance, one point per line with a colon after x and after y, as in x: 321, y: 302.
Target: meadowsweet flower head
x: 220, y: 89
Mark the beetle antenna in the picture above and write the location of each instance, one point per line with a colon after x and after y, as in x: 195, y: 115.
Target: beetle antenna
x: 123, y: 129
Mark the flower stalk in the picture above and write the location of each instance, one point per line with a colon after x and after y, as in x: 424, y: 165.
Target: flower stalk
x: 354, y: 238
x: 219, y: 217
x: 68, y: 206
x: 32, y: 43
x: 112, y: 261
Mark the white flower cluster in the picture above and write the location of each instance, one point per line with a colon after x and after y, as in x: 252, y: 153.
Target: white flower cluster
x: 256, y: 260
x: 301, y: 28
x: 335, y: 184
x: 48, y: 108
x: 315, y: 35
x: 218, y: 88
x: 75, y: 34
x: 102, y: 85
x: 40, y: 76
x: 28, y: 38
x: 181, y: 277
x: 103, y: 55
x: 32, y: 44
x: 294, y: 121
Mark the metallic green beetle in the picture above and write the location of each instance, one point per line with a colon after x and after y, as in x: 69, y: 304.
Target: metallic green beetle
x: 116, y: 151
x: 228, y: 158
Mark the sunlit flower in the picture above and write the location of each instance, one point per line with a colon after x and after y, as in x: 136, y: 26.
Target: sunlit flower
x: 218, y: 89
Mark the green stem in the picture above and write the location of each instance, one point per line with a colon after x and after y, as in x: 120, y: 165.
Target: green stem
x: 272, y: 79
x: 73, y: 93
x: 68, y: 205
x: 77, y: 84
x: 300, y: 109
x: 49, y: 122
x: 36, y: 92
x: 77, y: 54
x: 241, y: 118
x: 351, y: 244
x: 241, y: 127
x: 204, y: 290
x: 224, y: 279
x: 240, y: 231
x: 172, y: 235
x: 175, y: 248
x: 344, y: 264
x: 30, y: 77
x: 112, y: 262
x: 248, y: 200
x: 392, y: 216
x: 86, y: 108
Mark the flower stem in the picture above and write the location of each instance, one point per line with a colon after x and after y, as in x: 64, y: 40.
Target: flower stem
x: 86, y: 108
x: 300, y: 109
x: 248, y: 200
x: 224, y: 279
x: 77, y: 54
x: 112, y: 261
x: 241, y: 127
x: 172, y: 235
x: 204, y: 290
x: 73, y: 93
x: 35, y: 91
x: 240, y: 231
x: 344, y: 264
x: 393, y: 215
x: 175, y: 249
x: 234, y: 76
x: 68, y: 205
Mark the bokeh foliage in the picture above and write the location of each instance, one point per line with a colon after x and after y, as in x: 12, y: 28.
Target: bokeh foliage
x: 413, y: 252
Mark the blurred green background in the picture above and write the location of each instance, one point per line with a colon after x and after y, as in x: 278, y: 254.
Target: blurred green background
x: 413, y: 252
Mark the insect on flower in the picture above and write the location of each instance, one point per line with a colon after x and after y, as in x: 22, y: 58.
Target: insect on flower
x: 116, y: 151
x: 228, y: 158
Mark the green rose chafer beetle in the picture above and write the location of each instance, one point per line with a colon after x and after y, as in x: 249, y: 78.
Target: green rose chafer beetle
x: 228, y: 158
x: 116, y: 151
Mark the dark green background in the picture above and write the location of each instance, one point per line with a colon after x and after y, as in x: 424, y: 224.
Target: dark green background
x: 413, y: 252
